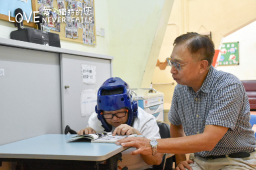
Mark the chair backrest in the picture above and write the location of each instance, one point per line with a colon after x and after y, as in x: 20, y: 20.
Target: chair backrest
x: 249, y: 85
x: 167, y: 163
x: 253, y: 120
x: 164, y: 130
x: 69, y: 130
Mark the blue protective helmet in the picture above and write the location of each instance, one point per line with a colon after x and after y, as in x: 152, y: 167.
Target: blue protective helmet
x: 109, y: 101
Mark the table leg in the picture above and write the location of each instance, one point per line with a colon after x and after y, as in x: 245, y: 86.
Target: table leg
x: 112, y: 162
x: 19, y: 166
x: 97, y: 165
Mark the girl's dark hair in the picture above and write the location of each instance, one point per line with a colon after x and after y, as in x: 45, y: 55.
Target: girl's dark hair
x: 197, y: 44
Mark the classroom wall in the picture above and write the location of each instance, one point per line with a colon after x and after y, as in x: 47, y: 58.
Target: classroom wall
x: 246, y: 70
x: 221, y: 18
x: 162, y: 79
x: 130, y: 28
x: 157, y: 44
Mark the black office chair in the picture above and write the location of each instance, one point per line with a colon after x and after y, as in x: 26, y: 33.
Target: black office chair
x: 69, y: 130
x: 164, y: 130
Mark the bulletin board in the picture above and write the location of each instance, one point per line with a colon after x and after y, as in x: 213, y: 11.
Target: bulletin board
x: 8, y: 7
x: 229, y: 54
x: 73, y: 20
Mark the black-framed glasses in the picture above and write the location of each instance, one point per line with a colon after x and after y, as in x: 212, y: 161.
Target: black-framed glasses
x: 118, y: 115
x: 175, y: 64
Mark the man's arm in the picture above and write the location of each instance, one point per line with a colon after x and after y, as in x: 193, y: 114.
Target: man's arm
x: 195, y: 143
x: 182, y: 145
x: 152, y: 160
x: 177, y: 131
x: 125, y: 129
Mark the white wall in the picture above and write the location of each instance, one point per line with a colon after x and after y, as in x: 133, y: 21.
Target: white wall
x: 132, y: 26
x: 246, y: 70
x: 6, y: 28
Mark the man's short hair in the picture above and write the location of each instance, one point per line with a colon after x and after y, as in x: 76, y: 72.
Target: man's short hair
x: 197, y: 44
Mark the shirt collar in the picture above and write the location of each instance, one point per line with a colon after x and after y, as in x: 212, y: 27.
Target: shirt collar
x: 208, y: 81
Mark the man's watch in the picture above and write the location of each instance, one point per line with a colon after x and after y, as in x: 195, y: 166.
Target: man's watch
x: 153, y: 144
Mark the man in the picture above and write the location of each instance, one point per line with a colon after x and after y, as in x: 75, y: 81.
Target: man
x: 116, y: 112
x: 210, y: 107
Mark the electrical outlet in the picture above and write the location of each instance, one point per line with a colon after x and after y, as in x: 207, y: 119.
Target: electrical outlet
x: 1, y: 72
x: 102, y: 32
x: 98, y: 31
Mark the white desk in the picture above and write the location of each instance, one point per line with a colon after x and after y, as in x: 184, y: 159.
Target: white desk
x: 55, y: 147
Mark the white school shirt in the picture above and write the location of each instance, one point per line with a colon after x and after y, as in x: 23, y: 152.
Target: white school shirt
x: 146, y: 124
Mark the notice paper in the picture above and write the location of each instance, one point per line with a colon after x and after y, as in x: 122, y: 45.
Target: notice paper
x: 88, y: 102
x: 89, y: 74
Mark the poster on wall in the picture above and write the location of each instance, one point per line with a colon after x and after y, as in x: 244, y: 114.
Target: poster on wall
x: 71, y: 19
x: 229, y: 54
x: 88, y: 23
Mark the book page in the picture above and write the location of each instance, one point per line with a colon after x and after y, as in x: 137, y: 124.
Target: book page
x: 111, y: 139
x: 88, y: 137
x: 100, y: 138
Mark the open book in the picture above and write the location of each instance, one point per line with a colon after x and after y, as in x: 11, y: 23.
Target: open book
x: 98, y: 137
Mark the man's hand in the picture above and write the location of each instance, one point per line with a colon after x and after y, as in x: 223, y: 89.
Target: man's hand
x: 125, y: 129
x: 86, y: 131
x: 141, y: 144
x: 184, y: 164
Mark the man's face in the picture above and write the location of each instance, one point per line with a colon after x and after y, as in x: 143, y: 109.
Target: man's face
x: 115, y: 121
x: 189, y: 67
